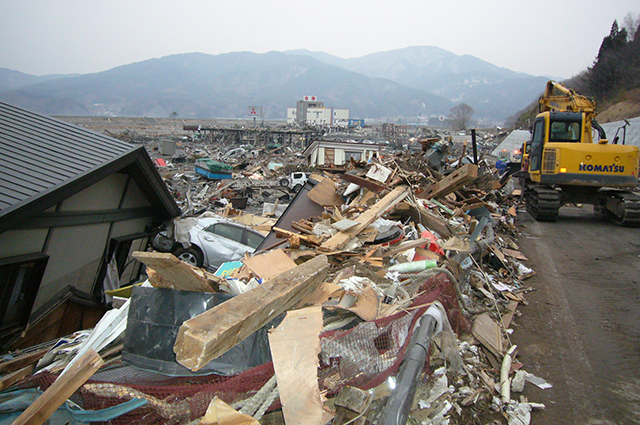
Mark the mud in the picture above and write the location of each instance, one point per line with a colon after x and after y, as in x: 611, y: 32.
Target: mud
x: 581, y: 329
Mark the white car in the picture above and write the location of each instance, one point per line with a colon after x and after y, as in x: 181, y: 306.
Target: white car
x: 214, y: 240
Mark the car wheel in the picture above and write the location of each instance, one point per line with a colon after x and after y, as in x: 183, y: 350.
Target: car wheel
x: 284, y: 182
x: 191, y: 255
x: 297, y: 187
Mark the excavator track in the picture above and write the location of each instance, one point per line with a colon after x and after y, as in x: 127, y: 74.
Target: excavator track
x: 543, y: 203
x: 620, y: 207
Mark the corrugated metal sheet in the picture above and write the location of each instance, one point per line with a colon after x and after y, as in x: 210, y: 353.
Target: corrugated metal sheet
x: 39, y: 154
x: 633, y: 131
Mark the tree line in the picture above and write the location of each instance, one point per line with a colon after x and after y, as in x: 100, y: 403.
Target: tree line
x: 615, y: 72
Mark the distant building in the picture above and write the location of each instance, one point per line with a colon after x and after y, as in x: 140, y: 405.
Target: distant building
x: 393, y: 131
x: 330, y: 153
x: 311, y: 111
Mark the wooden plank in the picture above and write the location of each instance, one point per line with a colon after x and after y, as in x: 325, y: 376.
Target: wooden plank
x: 488, y: 332
x: 66, y: 384
x: 309, y: 240
x: 372, y: 185
x: 392, y: 250
x: 295, y: 345
x: 324, y: 193
x: 175, y: 274
x: 507, y: 317
x: 515, y: 254
x: 340, y: 239
x: 23, y: 360
x: 452, y: 182
x: 16, y: 376
x: 269, y: 264
x: 432, y: 222
x: 214, y: 332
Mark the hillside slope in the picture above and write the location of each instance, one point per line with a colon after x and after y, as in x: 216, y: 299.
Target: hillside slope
x: 201, y: 85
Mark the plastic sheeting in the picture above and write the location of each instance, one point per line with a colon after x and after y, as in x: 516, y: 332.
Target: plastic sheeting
x: 155, y: 317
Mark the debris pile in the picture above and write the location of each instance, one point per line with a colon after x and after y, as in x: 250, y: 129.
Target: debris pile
x: 389, y: 289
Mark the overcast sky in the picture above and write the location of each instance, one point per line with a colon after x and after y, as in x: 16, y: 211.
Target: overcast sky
x: 552, y: 38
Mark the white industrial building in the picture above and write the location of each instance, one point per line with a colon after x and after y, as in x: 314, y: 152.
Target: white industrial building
x: 311, y: 111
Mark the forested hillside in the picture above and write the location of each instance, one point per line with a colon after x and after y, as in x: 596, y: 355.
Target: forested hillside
x: 613, y: 80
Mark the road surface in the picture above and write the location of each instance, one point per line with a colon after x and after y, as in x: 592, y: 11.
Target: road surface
x: 581, y: 329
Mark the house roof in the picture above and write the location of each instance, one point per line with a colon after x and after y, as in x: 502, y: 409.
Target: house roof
x: 43, y: 161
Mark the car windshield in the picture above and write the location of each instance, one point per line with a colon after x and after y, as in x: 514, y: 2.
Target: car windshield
x: 253, y: 239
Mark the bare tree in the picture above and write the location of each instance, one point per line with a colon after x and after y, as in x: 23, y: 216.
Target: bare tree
x: 460, y: 116
x: 631, y: 23
x: 173, y: 115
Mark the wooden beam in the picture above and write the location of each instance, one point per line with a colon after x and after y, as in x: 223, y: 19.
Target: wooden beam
x: 372, y: 185
x: 340, y: 239
x: 66, y: 384
x: 452, y: 182
x: 23, y: 360
x: 175, y: 274
x: 214, y: 332
x: 16, y: 376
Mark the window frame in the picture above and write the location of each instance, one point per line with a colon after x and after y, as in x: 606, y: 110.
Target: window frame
x: 12, y: 265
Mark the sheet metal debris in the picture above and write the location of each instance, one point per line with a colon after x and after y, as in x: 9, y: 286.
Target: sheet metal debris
x: 391, y: 235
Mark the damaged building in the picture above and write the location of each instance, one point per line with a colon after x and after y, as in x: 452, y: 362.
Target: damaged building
x: 72, y: 202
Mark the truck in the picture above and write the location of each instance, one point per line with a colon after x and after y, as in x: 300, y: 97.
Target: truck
x: 562, y: 163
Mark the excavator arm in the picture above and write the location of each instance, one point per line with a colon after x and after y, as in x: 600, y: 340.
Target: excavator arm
x: 567, y: 100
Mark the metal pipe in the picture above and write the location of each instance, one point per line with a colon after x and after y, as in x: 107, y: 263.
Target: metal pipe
x: 396, y: 411
x: 474, y: 145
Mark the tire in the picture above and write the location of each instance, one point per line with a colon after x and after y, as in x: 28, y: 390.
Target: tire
x: 191, y: 255
x: 284, y: 182
x: 297, y: 187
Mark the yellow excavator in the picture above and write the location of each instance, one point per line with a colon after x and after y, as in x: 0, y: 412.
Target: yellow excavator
x: 562, y: 163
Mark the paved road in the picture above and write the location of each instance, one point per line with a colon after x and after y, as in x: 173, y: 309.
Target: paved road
x: 581, y: 329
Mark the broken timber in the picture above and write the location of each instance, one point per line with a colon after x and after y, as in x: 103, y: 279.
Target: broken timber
x: 170, y: 272
x: 340, y: 239
x: 66, y: 384
x: 214, y: 332
x: 372, y: 185
x: 452, y: 182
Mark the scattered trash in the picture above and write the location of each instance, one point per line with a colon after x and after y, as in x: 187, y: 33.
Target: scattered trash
x: 343, y: 265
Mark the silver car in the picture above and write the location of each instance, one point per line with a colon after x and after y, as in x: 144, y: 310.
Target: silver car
x: 214, y: 240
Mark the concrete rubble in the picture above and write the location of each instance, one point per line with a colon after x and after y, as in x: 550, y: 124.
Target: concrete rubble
x: 389, y: 238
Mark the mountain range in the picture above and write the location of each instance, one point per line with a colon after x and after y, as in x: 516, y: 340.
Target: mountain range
x: 399, y: 84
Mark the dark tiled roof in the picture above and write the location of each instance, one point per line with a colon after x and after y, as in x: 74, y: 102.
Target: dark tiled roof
x: 40, y: 155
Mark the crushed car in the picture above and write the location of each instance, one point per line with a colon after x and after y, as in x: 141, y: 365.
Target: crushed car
x: 206, y: 241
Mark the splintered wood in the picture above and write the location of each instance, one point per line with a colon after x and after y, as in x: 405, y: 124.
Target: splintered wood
x: 214, y: 332
x: 340, y: 239
x: 295, y: 345
x: 66, y: 384
x: 170, y: 272
x: 452, y: 182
